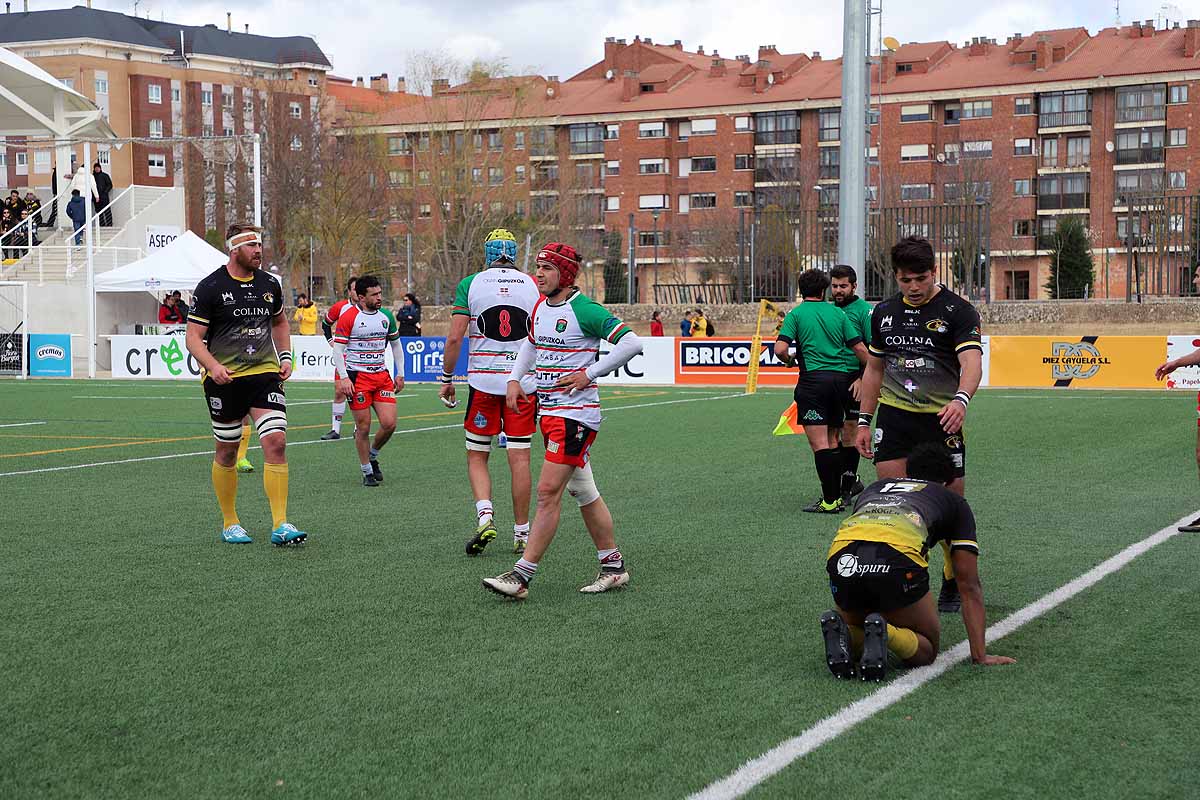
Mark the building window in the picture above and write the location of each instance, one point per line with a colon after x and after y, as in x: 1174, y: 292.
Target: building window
x: 519, y: 208
x: 777, y: 127
x: 495, y: 176
x: 297, y: 144
x: 903, y: 68
x: 247, y: 103
x: 206, y: 97
x: 206, y: 131
x: 652, y: 130
x: 829, y: 163
x: 916, y: 113
x: 704, y: 164
x: 1024, y: 227
x: 495, y: 141
x: 1022, y: 106
x: 977, y: 149
x: 646, y: 201
x: 156, y: 129
x: 1140, y: 147
x: 101, y: 85
x: 703, y: 127
x: 398, y: 145
x: 612, y: 204
x: 1023, y: 187
x: 829, y: 124
x: 313, y: 82
x: 914, y: 152
x: 227, y: 131
x: 423, y: 143
x: 423, y: 177
x: 951, y: 152
x: 1022, y: 147
x: 41, y: 161
x: 952, y: 113
x: 425, y: 211
x: 654, y: 166
x: 518, y: 140
x: 155, y: 93
x: 612, y: 168
x: 1177, y: 180
x: 916, y: 191
x: 1060, y: 109
x: 22, y: 163
x: 227, y: 100
x: 1177, y: 137
x: 586, y: 139
x: 294, y: 110
x: 872, y: 116
x: 1179, y: 94
x: 743, y: 161
x: 742, y: 124
x: 612, y: 131
x: 704, y: 200
x: 651, y: 238
x: 477, y: 142
x: 519, y: 173
x: 104, y: 156
x: 1079, y: 151
x: 743, y: 199
x: 158, y: 165
x: 1142, y: 103
x: 977, y: 109
x: 477, y: 176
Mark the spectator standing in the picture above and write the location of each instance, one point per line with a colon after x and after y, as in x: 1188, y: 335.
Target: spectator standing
x: 14, y: 205
x: 700, y: 326
x: 35, y: 208
x: 6, y: 223
x: 408, y: 316
x: 77, y: 213
x: 104, y: 186
x: 656, y: 326
x: 53, y: 218
x: 685, y: 324
x: 84, y: 182
x: 306, y: 315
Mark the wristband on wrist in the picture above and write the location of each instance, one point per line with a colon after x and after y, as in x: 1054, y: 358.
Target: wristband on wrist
x: 963, y: 398
x: 286, y: 355
x: 444, y: 378
x: 864, y: 419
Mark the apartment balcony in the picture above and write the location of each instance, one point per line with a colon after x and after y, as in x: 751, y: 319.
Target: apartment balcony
x: 1141, y: 155
x: 776, y: 137
x: 1064, y: 119
x: 1057, y: 202
x: 1139, y: 114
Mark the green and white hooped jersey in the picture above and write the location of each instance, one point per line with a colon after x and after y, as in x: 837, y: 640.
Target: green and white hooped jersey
x: 568, y: 338
x: 498, y: 301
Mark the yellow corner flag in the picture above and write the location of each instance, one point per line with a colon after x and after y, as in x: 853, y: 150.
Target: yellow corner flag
x: 787, y: 423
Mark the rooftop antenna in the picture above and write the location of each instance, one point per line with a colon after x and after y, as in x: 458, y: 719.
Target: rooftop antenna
x: 1117, y: 11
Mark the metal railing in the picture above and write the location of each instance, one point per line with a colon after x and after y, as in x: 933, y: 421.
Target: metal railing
x: 695, y: 294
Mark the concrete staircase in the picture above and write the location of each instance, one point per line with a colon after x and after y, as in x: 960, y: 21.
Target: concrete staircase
x: 58, y: 260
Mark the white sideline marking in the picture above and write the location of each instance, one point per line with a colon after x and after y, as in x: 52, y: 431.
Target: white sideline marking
x: 20, y: 424
x: 310, y: 441
x: 775, y: 760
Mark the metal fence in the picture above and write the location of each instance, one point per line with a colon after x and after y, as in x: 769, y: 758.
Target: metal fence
x: 1159, y: 240
x: 778, y: 245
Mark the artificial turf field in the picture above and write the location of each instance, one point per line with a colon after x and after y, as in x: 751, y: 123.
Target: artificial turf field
x: 143, y: 658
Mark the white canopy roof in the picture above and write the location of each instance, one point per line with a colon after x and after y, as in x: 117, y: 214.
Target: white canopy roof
x: 180, y: 265
x: 34, y: 103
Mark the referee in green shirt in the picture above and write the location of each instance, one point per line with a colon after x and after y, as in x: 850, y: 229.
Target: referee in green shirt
x: 843, y: 287
x: 821, y: 333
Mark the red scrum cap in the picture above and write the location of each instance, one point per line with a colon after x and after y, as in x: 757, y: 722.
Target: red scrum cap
x: 563, y: 258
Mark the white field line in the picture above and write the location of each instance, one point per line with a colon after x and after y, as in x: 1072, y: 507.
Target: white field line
x: 311, y: 441
x: 20, y: 424
x: 775, y: 760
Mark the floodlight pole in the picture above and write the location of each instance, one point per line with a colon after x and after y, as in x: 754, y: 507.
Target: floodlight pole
x: 91, y: 265
x: 852, y: 197
x: 257, y: 179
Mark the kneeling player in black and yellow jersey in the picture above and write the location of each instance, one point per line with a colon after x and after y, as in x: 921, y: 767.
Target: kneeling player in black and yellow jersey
x: 879, y: 572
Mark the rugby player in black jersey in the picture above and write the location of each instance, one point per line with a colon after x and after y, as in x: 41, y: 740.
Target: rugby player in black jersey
x: 926, y: 366
x: 878, y: 572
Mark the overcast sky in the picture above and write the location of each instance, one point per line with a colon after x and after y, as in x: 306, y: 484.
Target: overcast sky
x: 562, y: 38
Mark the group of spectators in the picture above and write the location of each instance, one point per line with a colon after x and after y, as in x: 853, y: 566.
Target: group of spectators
x: 696, y: 325
x: 16, y: 210
x: 21, y: 217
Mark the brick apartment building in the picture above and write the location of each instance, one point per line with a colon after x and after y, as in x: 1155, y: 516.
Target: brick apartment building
x: 1054, y: 123
x: 156, y: 79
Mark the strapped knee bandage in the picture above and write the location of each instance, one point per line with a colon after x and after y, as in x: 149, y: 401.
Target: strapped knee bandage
x: 228, y: 432
x: 582, y: 486
x: 479, y: 444
x: 520, y: 442
x: 271, y: 422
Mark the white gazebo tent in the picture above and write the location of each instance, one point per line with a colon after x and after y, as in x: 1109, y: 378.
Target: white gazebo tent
x: 180, y: 265
x: 36, y: 105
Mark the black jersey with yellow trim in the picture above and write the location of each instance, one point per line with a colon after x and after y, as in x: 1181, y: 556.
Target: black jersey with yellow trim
x: 238, y: 316
x: 920, y: 347
x: 911, y: 516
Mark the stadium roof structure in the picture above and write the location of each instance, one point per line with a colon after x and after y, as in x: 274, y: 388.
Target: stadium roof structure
x: 109, y: 26
x: 34, y: 103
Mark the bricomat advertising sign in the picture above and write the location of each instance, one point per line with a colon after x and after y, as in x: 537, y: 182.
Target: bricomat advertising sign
x: 726, y: 360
